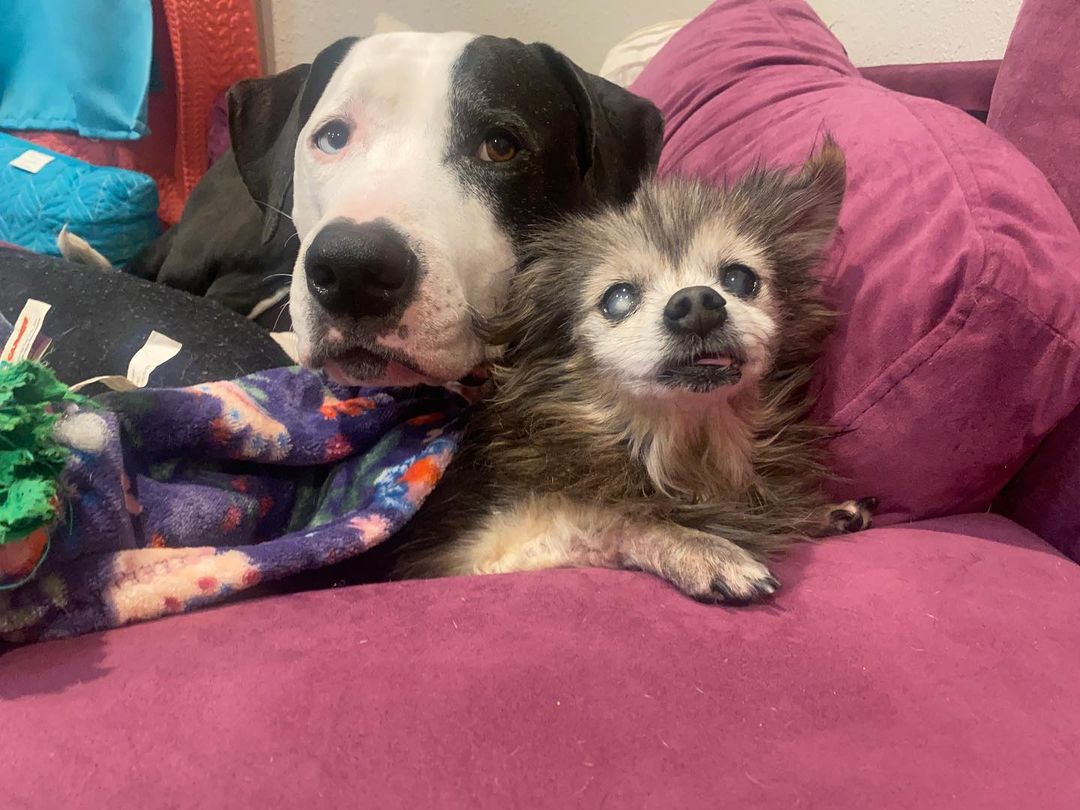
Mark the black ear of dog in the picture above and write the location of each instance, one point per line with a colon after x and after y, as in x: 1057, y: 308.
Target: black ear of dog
x: 265, y: 119
x: 622, y: 132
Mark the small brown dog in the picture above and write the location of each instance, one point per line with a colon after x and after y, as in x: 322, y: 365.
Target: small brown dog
x: 650, y: 409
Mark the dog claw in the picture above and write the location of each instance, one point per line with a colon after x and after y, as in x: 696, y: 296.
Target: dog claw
x: 753, y: 590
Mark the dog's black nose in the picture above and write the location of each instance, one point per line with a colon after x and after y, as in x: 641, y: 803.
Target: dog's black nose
x: 695, y: 310
x: 360, y: 269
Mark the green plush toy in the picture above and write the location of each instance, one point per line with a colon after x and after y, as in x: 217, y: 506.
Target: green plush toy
x: 31, y: 460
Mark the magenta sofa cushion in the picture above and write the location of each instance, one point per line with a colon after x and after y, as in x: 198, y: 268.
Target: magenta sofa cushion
x: 1036, y: 105
x: 957, y: 270
x: 930, y: 666
x: 1036, y: 101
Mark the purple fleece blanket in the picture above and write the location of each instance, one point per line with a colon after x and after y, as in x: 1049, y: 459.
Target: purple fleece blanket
x: 176, y: 498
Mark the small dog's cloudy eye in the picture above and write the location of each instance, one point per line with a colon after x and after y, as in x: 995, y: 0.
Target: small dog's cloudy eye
x: 332, y: 136
x: 740, y: 280
x: 619, y: 301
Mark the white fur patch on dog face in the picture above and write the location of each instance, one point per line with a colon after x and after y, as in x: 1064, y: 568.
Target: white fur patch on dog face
x: 393, y: 95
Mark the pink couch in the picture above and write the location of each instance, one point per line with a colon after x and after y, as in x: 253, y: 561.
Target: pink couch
x: 927, y: 663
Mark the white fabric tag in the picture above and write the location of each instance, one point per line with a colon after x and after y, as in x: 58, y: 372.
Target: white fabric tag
x: 157, y: 350
x: 31, y: 161
x: 25, y: 332
x: 289, y: 342
x: 116, y: 382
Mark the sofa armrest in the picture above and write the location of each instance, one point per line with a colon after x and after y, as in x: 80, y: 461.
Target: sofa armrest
x: 967, y: 85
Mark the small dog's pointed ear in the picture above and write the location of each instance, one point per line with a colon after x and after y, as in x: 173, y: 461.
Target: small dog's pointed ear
x: 265, y: 119
x: 621, y: 133
x: 811, y: 199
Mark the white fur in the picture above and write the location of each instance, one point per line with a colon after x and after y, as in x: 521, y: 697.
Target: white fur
x: 394, y: 88
x: 82, y: 431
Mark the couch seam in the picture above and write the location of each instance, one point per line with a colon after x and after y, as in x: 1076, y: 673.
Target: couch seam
x: 960, y: 313
x: 976, y: 298
x: 1073, y: 344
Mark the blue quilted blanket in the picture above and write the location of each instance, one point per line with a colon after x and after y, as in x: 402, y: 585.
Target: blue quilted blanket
x: 115, y: 210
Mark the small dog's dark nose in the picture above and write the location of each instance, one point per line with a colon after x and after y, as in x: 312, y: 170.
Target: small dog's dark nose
x: 695, y: 310
x: 359, y: 269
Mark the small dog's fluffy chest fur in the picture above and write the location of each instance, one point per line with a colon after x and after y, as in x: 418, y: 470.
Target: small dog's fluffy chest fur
x: 578, y: 436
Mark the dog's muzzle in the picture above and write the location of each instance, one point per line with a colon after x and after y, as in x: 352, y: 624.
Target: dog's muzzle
x: 360, y: 270
x: 705, y: 360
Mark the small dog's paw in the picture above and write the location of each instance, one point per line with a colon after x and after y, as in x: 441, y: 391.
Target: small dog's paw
x: 852, y: 516
x: 724, y: 573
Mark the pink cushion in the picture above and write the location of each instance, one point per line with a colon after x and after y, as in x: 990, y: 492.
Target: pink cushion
x: 1036, y: 105
x: 927, y: 667
x: 1036, y: 101
x: 957, y: 271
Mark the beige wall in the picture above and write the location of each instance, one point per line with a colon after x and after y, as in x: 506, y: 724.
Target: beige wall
x: 874, y: 31
x: 882, y: 32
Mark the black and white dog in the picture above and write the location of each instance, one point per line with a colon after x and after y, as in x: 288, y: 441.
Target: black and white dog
x: 414, y: 166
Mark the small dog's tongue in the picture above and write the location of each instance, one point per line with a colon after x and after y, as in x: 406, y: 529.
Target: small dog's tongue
x: 714, y: 360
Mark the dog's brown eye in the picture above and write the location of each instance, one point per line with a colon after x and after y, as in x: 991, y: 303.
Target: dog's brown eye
x: 499, y: 146
x: 332, y: 136
x: 619, y: 301
x: 740, y: 280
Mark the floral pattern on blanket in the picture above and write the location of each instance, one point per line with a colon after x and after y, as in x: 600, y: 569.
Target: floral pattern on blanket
x: 178, y: 498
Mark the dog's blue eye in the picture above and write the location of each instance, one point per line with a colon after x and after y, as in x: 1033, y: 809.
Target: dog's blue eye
x: 332, y: 137
x: 740, y: 280
x: 619, y: 301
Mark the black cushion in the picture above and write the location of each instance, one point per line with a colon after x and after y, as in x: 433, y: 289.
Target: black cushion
x: 100, y: 318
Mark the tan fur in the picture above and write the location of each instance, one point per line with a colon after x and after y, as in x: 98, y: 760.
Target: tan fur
x: 588, y: 455
x: 554, y: 531
x: 694, y: 451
